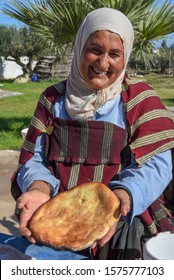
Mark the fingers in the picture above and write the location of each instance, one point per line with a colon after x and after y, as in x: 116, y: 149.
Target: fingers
x: 24, y: 230
x: 106, y: 238
x: 125, y: 207
x: 25, y: 216
x: 124, y: 201
x: 21, y: 203
x: 109, y: 235
x: 26, y: 211
x: 27, y: 203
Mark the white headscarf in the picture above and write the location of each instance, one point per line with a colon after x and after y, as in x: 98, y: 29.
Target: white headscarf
x: 79, y: 97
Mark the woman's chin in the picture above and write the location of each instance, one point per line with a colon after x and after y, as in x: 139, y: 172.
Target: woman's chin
x: 98, y: 84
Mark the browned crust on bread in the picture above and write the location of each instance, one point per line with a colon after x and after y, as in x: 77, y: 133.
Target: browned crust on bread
x: 74, y: 219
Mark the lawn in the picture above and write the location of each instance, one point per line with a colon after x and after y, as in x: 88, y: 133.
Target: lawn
x: 164, y: 86
x: 16, y: 111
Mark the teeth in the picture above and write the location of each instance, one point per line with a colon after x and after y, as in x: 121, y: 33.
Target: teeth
x: 100, y: 72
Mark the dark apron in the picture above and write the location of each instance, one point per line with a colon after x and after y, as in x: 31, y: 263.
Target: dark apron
x: 84, y: 151
x: 95, y: 151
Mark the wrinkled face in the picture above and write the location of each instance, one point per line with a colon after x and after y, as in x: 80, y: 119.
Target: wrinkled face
x: 102, y: 59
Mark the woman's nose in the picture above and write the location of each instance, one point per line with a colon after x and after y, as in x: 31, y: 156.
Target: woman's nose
x: 103, y: 61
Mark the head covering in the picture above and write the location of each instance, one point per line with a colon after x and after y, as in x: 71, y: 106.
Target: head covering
x: 79, y: 97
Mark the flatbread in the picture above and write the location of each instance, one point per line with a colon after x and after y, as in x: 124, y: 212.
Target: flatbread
x: 74, y: 219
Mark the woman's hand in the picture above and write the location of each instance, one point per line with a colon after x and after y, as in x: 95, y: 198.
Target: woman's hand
x: 125, y: 200
x: 125, y: 204
x: 39, y: 193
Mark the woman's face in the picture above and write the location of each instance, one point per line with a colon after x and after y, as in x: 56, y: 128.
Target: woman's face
x: 102, y: 59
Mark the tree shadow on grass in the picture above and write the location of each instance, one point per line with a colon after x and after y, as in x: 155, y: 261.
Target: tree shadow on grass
x: 168, y: 101
x: 8, y: 124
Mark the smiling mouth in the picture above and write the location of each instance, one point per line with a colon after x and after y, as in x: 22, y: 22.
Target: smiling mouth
x: 98, y: 72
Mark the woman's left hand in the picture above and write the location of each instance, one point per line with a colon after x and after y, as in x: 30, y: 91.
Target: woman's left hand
x: 125, y: 204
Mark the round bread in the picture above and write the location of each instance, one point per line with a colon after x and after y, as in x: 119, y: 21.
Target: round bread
x: 76, y: 218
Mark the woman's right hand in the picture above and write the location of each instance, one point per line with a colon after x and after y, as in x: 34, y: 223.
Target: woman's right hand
x: 28, y: 203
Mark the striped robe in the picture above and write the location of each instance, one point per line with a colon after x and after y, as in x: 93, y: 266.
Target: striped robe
x: 150, y: 131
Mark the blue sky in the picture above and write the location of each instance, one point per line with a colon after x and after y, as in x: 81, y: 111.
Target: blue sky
x: 9, y: 21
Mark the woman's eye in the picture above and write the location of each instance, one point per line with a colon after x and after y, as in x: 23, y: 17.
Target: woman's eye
x: 115, y: 54
x: 95, y: 51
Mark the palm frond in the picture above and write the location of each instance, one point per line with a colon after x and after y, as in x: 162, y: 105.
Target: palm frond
x: 133, y: 9
x: 159, y: 23
x: 57, y: 22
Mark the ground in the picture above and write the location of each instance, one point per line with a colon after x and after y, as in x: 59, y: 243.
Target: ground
x: 8, y: 164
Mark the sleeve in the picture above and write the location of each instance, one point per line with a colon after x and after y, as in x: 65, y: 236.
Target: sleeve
x: 35, y: 169
x: 145, y: 183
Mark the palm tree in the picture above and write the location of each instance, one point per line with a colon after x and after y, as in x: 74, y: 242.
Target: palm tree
x: 57, y: 22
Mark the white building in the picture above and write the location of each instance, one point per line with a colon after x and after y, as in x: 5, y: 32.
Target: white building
x: 10, y: 69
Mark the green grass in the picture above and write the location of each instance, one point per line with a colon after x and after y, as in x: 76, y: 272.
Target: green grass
x: 30, y: 87
x: 16, y: 111
x: 15, y: 114
x: 164, y: 87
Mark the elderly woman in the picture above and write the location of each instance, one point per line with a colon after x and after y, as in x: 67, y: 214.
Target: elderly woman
x: 99, y: 126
